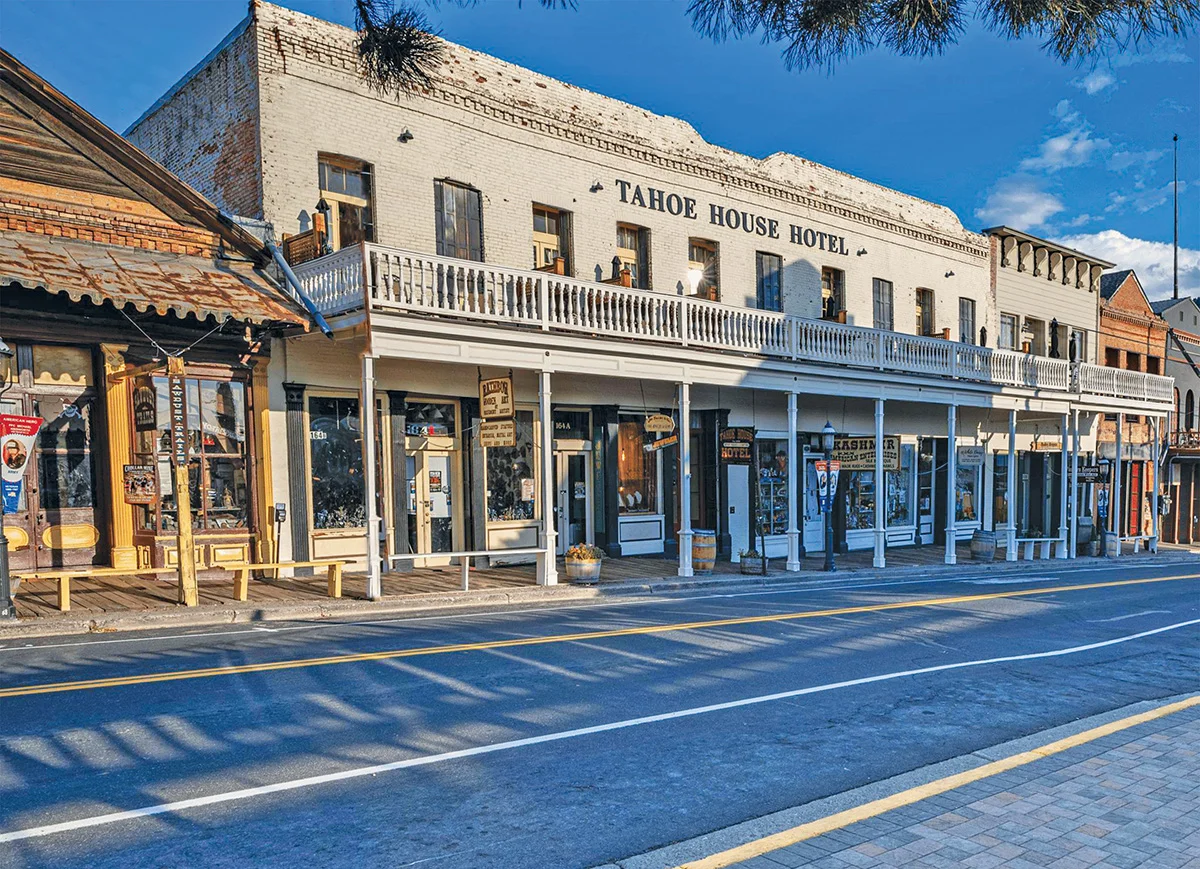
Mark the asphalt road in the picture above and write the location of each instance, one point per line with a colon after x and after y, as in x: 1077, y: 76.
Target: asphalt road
x: 565, y: 737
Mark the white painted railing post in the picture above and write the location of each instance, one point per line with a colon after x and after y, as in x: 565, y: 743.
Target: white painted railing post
x: 543, y: 286
x: 685, y: 321
x: 879, y: 350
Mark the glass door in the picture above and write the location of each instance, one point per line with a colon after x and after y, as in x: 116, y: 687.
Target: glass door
x: 926, y: 491
x: 814, y: 524
x: 430, y: 505
x: 573, y: 471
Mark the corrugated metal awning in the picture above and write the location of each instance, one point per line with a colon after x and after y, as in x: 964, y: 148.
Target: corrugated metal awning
x: 164, y: 282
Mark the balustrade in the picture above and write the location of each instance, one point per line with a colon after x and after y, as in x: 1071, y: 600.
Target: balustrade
x: 447, y: 287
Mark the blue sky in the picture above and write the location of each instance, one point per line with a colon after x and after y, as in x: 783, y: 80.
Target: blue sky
x: 996, y: 130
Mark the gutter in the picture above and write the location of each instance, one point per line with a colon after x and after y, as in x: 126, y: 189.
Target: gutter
x: 298, y: 290
x: 1183, y: 350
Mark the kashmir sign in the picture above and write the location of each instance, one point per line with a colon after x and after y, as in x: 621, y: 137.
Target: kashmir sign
x: 496, y: 398
x: 858, y: 453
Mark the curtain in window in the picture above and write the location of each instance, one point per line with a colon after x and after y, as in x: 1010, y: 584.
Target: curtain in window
x: 459, y: 212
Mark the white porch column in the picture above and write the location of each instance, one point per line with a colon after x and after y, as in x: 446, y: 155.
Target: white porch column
x: 1114, y: 508
x: 1010, y: 494
x: 548, y: 560
x: 1154, y: 422
x: 1073, y: 544
x: 685, y: 480
x: 366, y: 417
x: 1064, y: 478
x: 951, y: 485
x: 793, y: 488
x: 880, y: 559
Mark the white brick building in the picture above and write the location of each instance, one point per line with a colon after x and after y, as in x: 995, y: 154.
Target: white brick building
x: 674, y: 276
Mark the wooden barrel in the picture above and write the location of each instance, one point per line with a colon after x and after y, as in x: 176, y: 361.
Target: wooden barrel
x: 983, y: 546
x: 704, y: 551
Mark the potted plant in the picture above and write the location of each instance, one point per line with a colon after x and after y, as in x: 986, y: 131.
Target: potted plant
x: 752, y: 561
x: 583, y: 563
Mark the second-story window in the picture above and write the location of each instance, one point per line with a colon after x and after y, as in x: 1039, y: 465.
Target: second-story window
x: 770, y: 281
x: 833, y: 293
x: 1077, y: 350
x: 924, y: 312
x: 703, y: 269
x: 881, y: 296
x: 346, y: 190
x: 633, y: 250
x: 458, y: 210
x: 551, y: 238
x: 1008, y: 332
x: 966, y: 320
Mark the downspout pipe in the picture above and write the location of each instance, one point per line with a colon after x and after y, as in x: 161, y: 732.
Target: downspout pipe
x: 298, y: 290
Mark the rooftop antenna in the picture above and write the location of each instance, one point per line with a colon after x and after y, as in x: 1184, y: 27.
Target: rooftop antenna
x: 1175, y: 190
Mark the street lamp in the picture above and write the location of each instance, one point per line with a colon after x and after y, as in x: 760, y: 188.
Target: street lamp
x: 8, y: 610
x: 827, y: 434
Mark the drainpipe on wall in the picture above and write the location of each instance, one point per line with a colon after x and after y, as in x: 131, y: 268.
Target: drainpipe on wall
x: 298, y: 290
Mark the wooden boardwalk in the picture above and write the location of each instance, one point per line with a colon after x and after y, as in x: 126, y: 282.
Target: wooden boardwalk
x: 38, y: 598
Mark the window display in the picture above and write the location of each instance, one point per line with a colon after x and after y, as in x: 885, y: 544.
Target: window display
x: 966, y: 485
x: 899, y: 505
x: 999, y: 488
x: 772, y: 486
x: 335, y: 451
x: 637, y: 468
x: 860, y: 500
x: 511, y: 479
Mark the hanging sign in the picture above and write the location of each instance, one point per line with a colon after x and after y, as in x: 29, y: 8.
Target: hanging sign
x: 1102, y: 503
x: 827, y: 482
x: 1046, y: 446
x: 498, y: 433
x: 657, y: 423
x: 141, y: 484
x: 16, y: 443
x: 145, y: 404
x: 1091, y: 474
x: 177, y: 410
x: 970, y: 456
x: 496, y: 398
x: 661, y: 443
x: 858, y: 453
x: 737, y: 446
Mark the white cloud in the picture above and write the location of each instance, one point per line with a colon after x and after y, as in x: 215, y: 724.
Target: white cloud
x: 1141, y: 198
x: 1095, y: 82
x: 1174, y: 106
x: 1121, y: 160
x: 1081, y: 220
x: 1150, y: 259
x: 1158, y: 54
x: 1072, y: 148
x: 1019, y: 202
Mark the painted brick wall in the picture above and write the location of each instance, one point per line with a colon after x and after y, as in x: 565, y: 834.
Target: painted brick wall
x: 207, y: 130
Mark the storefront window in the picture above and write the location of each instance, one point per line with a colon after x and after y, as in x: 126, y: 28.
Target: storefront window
x: 217, y: 443
x: 65, y: 478
x: 999, y: 488
x: 899, y: 504
x: 511, y: 479
x: 860, y: 500
x: 966, y: 487
x: 429, y: 419
x: 336, y: 463
x: 772, y: 486
x: 637, y: 468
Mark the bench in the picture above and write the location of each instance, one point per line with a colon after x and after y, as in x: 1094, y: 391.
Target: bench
x: 1039, y: 547
x: 65, y: 576
x: 464, y: 559
x: 241, y: 573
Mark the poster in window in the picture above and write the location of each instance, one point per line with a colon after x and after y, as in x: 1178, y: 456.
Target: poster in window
x: 527, y: 488
x: 141, y: 484
x: 496, y: 398
x: 435, y: 481
x: 145, y: 404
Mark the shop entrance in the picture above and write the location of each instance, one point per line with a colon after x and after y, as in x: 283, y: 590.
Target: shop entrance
x: 814, y: 519
x: 574, y: 508
x: 430, y: 505
x: 927, y: 493
x: 55, y: 522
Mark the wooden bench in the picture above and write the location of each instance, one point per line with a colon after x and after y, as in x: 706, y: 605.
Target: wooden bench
x: 65, y: 576
x: 241, y: 573
x: 1041, y: 547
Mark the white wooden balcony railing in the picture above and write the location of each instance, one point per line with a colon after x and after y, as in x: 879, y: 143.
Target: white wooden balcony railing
x: 416, y: 283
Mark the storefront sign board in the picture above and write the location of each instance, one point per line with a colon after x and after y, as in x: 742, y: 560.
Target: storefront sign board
x: 659, y: 423
x: 970, y: 456
x: 177, y: 409
x: 498, y: 433
x: 16, y: 443
x: 1091, y: 474
x: 141, y: 484
x: 145, y: 404
x: 496, y: 398
x: 661, y: 443
x: 858, y: 453
x: 737, y: 446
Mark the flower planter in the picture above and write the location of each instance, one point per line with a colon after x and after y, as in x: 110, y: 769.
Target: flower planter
x: 751, y: 565
x: 583, y: 572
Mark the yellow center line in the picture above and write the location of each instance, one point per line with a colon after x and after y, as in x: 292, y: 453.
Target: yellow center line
x: 171, y: 676
x: 874, y: 808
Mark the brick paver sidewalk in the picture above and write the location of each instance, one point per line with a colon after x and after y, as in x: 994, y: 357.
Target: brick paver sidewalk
x: 1128, y: 799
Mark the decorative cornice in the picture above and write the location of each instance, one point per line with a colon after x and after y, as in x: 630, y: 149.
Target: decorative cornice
x: 346, y: 60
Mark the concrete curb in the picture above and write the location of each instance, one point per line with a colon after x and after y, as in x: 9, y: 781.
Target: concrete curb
x: 451, y: 602
x: 758, y: 828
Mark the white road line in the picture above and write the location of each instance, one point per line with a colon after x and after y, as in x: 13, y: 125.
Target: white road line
x: 408, y: 763
x: 1128, y: 616
x: 1011, y: 580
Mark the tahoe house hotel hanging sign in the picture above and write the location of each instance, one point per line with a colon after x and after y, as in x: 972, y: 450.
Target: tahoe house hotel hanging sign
x: 737, y: 445
x: 858, y: 453
x: 718, y: 215
x: 498, y: 409
x: 16, y: 443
